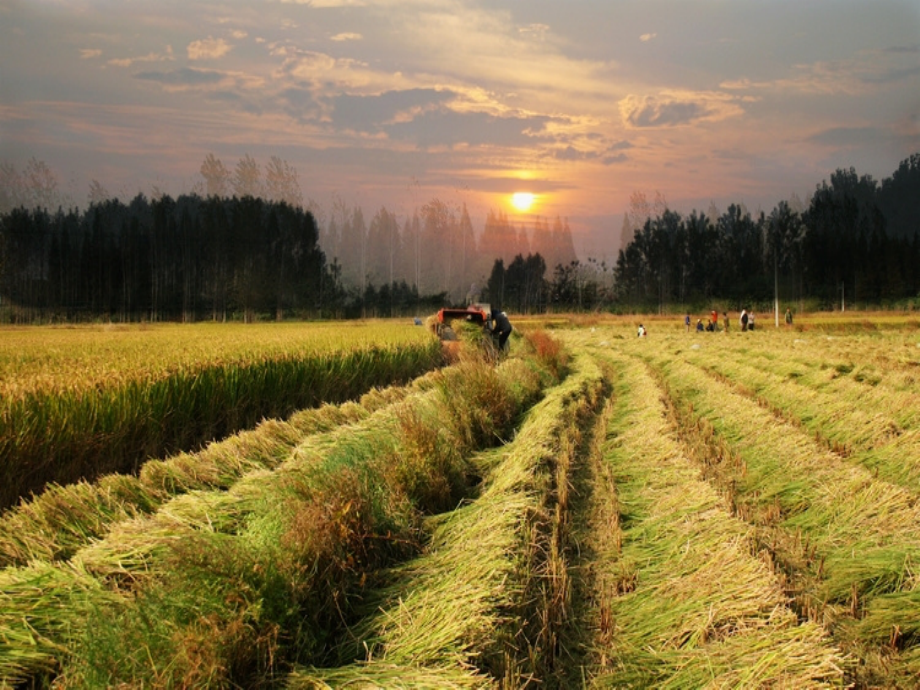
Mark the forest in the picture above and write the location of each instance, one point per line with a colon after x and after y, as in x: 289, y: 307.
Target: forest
x: 857, y: 240
x: 251, y: 250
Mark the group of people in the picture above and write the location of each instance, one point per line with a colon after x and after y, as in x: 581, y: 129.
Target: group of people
x: 745, y: 322
x: 712, y: 323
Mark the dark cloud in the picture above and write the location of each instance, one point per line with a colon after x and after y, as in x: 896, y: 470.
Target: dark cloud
x: 570, y: 153
x: 653, y: 112
x: 245, y: 104
x: 448, y: 128
x: 298, y: 102
x: 614, y: 159
x: 184, y: 76
x: 891, y: 75
x: 849, y: 136
x: 370, y: 113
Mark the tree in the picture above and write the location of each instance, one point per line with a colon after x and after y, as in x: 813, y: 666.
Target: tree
x: 247, y: 179
x: 281, y: 182
x: 216, y: 176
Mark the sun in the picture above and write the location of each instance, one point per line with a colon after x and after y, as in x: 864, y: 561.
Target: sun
x: 522, y: 201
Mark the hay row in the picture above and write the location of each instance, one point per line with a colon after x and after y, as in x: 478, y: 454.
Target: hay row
x: 857, y: 425
x: 841, y: 536
x: 688, y: 603
x: 462, y: 613
x: 60, y: 520
x: 231, y: 583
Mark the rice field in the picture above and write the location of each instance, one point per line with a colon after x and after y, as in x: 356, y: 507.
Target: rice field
x: 76, y: 403
x: 685, y: 510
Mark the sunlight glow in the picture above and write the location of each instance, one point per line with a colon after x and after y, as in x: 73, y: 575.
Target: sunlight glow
x: 522, y: 201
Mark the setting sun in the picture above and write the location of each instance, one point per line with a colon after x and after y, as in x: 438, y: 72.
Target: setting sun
x: 522, y: 201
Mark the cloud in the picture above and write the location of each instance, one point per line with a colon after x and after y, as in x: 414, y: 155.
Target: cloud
x: 614, y: 159
x: 346, y: 36
x: 673, y: 109
x: 538, y: 31
x: 370, y: 113
x: 87, y: 53
x: 149, y: 57
x: 645, y: 38
x: 570, y: 153
x: 852, y: 76
x: 849, y: 136
x: 446, y: 127
x: 208, y: 49
x: 185, y: 76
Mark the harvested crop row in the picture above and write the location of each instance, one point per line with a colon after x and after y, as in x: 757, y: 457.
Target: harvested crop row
x: 686, y: 603
x: 855, y: 380
x: 482, y: 605
x: 224, y: 587
x: 843, y: 537
x: 845, y: 365
x: 63, y: 437
x: 865, y: 424
x: 62, y: 519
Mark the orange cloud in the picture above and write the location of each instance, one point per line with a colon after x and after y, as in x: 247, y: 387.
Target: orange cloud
x: 208, y: 49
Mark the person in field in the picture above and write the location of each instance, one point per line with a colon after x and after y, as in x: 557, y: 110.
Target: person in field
x: 751, y: 321
x: 699, y: 326
x: 743, y: 320
x: 641, y: 332
x: 687, y: 322
x: 725, y: 320
x: 788, y: 316
x: 501, y: 327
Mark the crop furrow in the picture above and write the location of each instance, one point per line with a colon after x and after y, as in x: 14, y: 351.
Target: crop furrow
x: 842, y: 537
x: 489, y: 601
x: 686, y: 601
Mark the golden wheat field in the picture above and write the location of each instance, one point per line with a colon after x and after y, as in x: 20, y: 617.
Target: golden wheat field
x: 595, y: 509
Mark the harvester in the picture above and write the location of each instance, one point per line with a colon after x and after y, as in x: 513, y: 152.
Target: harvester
x: 476, y: 314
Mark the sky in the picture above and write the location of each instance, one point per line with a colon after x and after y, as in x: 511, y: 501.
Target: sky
x: 397, y: 102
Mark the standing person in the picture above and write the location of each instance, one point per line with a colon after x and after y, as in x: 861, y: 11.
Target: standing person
x: 714, y: 319
x: 743, y: 320
x: 788, y: 316
x: 501, y: 327
x: 725, y: 319
x: 751, y: 321
x: 687, y: 321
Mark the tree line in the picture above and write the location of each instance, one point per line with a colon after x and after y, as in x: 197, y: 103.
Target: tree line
x: 220, y: 258
x: 244, y: 246
x: 857, y: 240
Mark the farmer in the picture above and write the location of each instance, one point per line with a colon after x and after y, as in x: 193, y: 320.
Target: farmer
x: 501, y: 327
